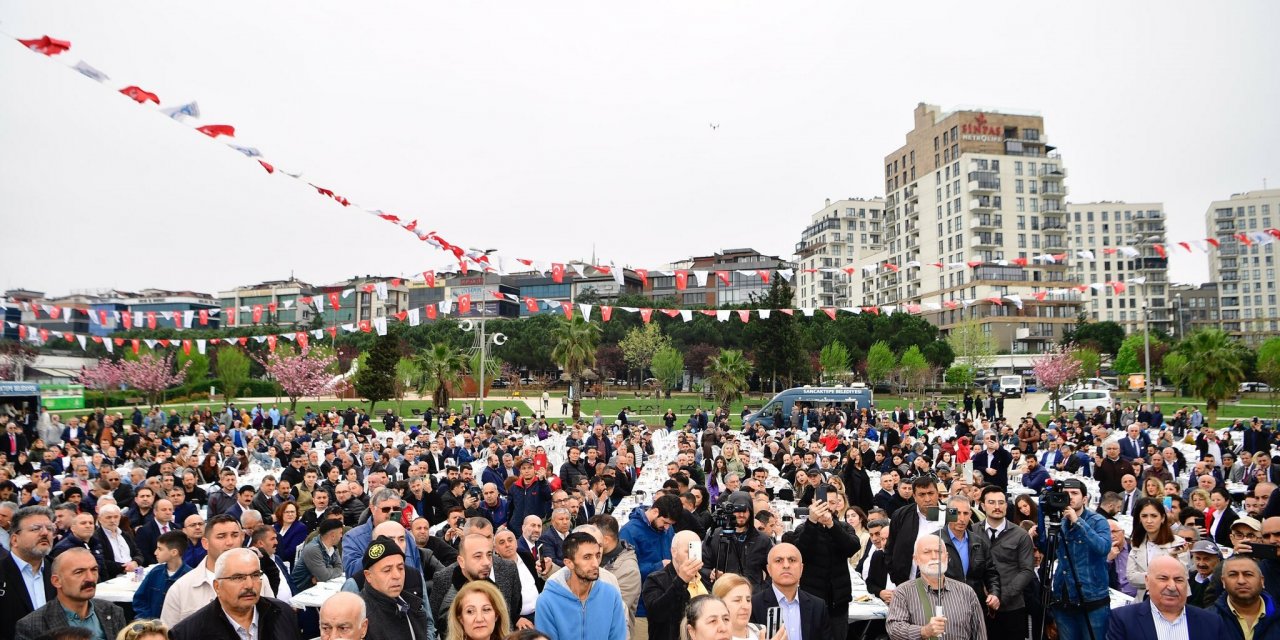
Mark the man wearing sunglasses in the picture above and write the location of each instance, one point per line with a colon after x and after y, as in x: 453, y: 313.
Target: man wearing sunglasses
x: 384, y: 506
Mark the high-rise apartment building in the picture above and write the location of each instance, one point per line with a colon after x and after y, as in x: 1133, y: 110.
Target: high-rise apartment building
x: 978, y: 186
x: 839, y: 234
x: 1112, y: 232
x: 1245, y: 273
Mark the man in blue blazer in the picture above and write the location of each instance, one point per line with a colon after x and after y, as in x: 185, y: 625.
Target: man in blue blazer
x: 1167, y: 588
x: 1134, y: 444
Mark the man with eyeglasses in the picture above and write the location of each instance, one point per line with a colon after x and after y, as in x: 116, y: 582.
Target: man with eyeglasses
x: 26, y: 576
x: 191, y: 592
x: 384, y: 506
x: 193, y: 528
x: 239, y: 610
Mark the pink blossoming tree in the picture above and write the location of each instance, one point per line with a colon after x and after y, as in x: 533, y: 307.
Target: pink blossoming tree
x: 1054, y: 369
x: 301, y: 375
x: 152, y: 375
x: 106, y: 376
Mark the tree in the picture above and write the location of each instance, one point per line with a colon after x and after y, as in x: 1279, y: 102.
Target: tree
x: 960, y: 375
x: 576, y: 341
x: 1268, y: 367
x: 834, y: 361
x: 668, y: 368
x: 301, y: 375
x: 610, y: 362
x: 972, y: 345
x: 406, y: 371
x: 198, y: 371
x: 492, y: 370
x: 440, y: 368
x: 640, y: 344
x: 696, y: 357
x: 152, y: 375
x: 376, y: 378
x: 775, y: 341
x: 938, y: 353
x: 233, y: 370
x: 1214, y: 367
x: 106, y: 376
x: 914, y: 367
x: 1104, y: 337
x: 1175, y: 369
x: 728, y: 373
x: 880, y: 362
x: 1132, y: 358
x: 1054, y: 369
x: 1090, y: 360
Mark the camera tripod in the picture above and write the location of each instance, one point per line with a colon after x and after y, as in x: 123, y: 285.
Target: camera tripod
x: 1053, y: 532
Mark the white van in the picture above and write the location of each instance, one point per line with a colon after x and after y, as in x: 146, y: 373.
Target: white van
x: 1011, y: 386
x: 1086, y: 400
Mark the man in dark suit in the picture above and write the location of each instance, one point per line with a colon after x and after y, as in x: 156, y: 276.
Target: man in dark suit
x: 213, y: 621
x: 874, y: 569
x: 31, y: 540
x: 1167, y: 589
x: 80, y: 536
x: 975, y: 567
x: 75, y: 578
x: 149, y: 533
x: 14, y: 441
x: 884, y: 497
x: 476, y: 561
x: 1134, y: 444
x: 993, y: 463
x: 804, y: 611
x: 114, y: 540
x: 904, y: 528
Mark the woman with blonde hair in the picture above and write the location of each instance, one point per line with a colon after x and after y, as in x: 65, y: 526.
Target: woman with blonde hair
x: 478, y: 612
x: 144, y: 630
x: 735, y: 591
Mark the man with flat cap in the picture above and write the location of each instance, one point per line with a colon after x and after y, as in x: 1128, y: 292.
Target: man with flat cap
x: 393, y: 613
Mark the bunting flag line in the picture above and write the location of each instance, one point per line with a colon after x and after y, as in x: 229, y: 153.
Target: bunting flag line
x: 497, y: 262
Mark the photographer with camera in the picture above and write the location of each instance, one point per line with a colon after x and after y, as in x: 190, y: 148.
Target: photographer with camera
x: 734, y: 545
x: 1082, y: 540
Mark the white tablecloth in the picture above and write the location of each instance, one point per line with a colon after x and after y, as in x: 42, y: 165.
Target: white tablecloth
x: 120, y: 588
x: 315, y: 596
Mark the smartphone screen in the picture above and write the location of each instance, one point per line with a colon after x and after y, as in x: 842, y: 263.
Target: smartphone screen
x: 1261, y: 551
x: 773, y: 622
x: 821, y: 494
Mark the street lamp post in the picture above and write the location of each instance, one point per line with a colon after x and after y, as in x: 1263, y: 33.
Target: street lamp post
x: 1146, y: 342
x: 1177, y: 299
x: 482, y: 344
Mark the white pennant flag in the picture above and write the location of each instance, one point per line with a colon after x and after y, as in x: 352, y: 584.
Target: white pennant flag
x: 913, y: 263
x: 586, y: 310
x: 932, y: 306
x: 381, y: 289
x: 187, y: 317
x: 700, y: 277
x: 347, y: 292
x: 251, y: 152
x: 618, y: 274
x: 83, y: 341
x: 111, y: 346
x: 807, y: 311
x: 722, y: 315
x: 166, y: 315
x: 968, y: 303
x: 201, y: 343
x: 870, y: 268
x: 630, y: 309
x: 686, y: 315
x: 577, y: 268
x: 414, y: 320
x: 763, y: 313
x: 88, y: 71
x: 1085, y: 254
x: 1129, y: 252
x: 888, y: 308
x: 214, y: 312
x: 1098, y: 286
x: 1015, y: 299
x: 318, y: 301
x: 786, y: 274
x: 318, y: 333
x: 244, y: 308
x: 188, y: 110
x: 445, y: 306
x: 288, y: 304
x: 380, y: 325
x: 286, y: 336
x: 1142, y: 280
x: 349, y: 327
x: 150, y: 343
x: 260, y: 339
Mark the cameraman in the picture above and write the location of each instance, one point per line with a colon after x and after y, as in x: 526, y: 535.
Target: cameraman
x: 1081, y: 597
x: 746, y: 552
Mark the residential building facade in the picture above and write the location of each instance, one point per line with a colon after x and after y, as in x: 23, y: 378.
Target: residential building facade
x: 1101, y: 228
x: 837, y: 235
x: 1245, y: 273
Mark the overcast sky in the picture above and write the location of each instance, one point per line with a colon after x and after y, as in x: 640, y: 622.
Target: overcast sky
x: 551, y: 130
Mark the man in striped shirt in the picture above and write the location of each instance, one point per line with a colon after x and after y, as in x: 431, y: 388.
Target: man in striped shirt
x: 934, y: 604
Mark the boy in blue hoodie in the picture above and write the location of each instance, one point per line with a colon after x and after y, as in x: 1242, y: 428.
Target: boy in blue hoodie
x: 148, y: 600
x: 575, y: 595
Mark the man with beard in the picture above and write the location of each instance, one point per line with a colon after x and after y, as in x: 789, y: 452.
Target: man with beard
x: 576, y: 594
x: 747, y: 549
x: 75, y: 577
x: 24, y: 571
x: 239, y: 609
x: 934, y: 604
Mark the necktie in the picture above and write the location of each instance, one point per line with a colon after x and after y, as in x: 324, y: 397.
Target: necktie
x: 1136, y: 451
x: 993, y: 536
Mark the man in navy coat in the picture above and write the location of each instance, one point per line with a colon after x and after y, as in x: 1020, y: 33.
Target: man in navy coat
x: 1166, y: 610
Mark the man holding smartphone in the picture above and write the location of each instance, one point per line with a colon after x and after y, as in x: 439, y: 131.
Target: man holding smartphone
x: 828, y: 542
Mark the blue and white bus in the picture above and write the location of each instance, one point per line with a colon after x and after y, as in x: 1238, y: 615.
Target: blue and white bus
x: 849, y: 399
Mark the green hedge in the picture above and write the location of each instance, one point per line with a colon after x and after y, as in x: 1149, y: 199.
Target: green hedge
x: 198, y: 390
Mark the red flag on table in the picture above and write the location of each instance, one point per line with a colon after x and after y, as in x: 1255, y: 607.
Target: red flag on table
x: 557, y: 272
x: 335, y: 299
x: 567, y: 307
x: 646, y: 314
x: 606, y: 312
x: 682, y: 279
x: 430, y: 277
x: 140, y: 95
x: 204, y: 316
x: 215, y: 130
x: 643, y: 274
x: 257, y: 313
x: 464, y: 304
x: 151, y: 319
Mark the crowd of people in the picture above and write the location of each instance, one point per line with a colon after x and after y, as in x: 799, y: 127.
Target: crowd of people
x: 501, y: 525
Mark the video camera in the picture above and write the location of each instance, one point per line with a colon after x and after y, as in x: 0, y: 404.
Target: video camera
x: 725, y: 516
x: 1054, y: 500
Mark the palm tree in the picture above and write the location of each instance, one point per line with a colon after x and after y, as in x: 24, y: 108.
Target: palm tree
x: 576, y: 341
x: 1213, y: 368
x: 440, y: 367
x: 728, y: 373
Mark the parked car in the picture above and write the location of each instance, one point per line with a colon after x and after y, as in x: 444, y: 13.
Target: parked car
x: 1096, y: 383
x: 1255, y: 387
x: 1086, y: 399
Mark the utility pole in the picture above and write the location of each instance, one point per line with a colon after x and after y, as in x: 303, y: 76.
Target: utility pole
x: 1146, y: 341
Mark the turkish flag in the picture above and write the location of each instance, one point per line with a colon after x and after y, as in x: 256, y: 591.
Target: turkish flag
x: 557, y: 272
x: 242, y: 340
x: 267, y: 166
x: 135, y: 346
x: 335, y: 300
x: 46, y: 45
x: 186, y: 347
x: 366, y: 326
x: 682, y: 280
x: 271, y: 307
x: 464, y: 304
x: 646, y: 314
x: 1039, y: 295
x: 395, y: 282
x: 531, y: 304
x: 271, y: 344
x: 22, y: 332
x: 302, y: 339
x: 606, y: 312
x: 333, y: 332
x: 830, y: 311
x: 215, y: 130
x: 567, y: 307
x: 44, y: 335
x: 764, y: 275
x: 430, y: 277
x: 257, y: 313
x: 140, y: 95
x: 119, y: 342
x: 151, y: 319
x: 644, y: 277
x: 744, y: 315
x: 431, y: 311
x: 1160, y: 250
x: 204, y: 316
x: 164, y: 342
x: 723, y: 276
x: 401, y: 315
x: 102, y: 317
x: 68, y: 336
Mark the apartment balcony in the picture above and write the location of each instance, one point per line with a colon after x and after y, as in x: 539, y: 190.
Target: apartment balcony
x: 985, y: 223
x: 1052, y: 206
x: 1053, y: 173
x: 982, y: 205
x: 1052, y: 190
x: 984, y: 187
x: 1223, y: 214
x: 1053, y: 227
x: 985, y: 241
x: 1154, y: 263
x: 1035, y: 335
x: 912, y: 194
